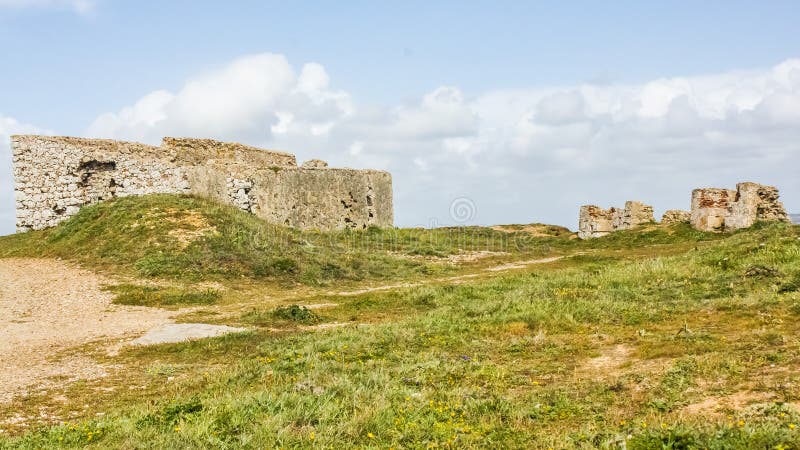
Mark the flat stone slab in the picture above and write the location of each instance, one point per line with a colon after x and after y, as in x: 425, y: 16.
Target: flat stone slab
x: 181, y: 332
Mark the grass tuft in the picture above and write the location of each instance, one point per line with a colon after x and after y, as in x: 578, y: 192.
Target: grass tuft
x: 136, y: 295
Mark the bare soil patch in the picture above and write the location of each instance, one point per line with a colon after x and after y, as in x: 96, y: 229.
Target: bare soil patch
x: 717, y: 405
x: 609, y: 362
x: 47, y: 308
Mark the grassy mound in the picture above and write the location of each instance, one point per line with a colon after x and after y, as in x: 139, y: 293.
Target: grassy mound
x: 191, y: 238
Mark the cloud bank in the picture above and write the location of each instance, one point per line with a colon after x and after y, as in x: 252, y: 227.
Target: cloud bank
x: 520, y: 155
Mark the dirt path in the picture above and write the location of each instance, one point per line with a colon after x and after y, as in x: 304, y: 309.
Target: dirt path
x: 48, y: 307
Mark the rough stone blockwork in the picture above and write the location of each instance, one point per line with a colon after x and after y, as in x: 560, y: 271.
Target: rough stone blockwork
x: 55, y: 176
x: 676, y: 216
x: 724, y: 209
x: 596, y: 222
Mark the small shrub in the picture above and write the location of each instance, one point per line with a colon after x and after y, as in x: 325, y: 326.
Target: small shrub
x: 792, y: 285
x: 295, y: 313
x: 172, y: 413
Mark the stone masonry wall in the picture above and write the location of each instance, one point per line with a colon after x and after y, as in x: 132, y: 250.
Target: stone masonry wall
x: 676, y: 216
x: 597, y: 222
x: 713, y: 209
x: 55, y: 176
x: 724, y: 209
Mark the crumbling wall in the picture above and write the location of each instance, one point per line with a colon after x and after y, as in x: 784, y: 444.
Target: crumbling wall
x: 716, y: 209
x: 596, y: 222
x: 676, y: 216
x: 710, y: 207
x: 318, y: 198
x: 56, y: 176
x: 634, y: 214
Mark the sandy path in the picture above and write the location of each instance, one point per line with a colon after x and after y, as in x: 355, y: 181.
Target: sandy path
x: 48, y: 307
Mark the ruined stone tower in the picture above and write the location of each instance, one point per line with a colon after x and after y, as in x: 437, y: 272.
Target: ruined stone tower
x: 716, y: 209
x: 55, y: 176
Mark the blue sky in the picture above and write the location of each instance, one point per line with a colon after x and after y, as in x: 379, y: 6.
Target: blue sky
x: 527, y: 108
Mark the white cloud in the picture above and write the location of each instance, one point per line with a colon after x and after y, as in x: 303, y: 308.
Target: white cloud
x: 252, y: 99
x: 524, y: 155
x: 82, y: 7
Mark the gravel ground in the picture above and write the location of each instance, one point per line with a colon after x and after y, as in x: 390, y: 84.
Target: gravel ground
x: 47, y: 309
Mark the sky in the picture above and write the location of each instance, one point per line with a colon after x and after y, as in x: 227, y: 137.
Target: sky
x: 518, y: 111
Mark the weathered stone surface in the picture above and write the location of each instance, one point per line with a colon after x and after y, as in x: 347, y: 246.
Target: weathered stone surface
x: 676, y: 216
x: 315, y: 164
x: 596, y: 222
x: 723, y: 209
x: 55, y: 176
x: 634, y: 214
x: 710, y: 207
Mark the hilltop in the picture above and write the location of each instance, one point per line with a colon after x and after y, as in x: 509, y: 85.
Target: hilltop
x: 516, y: 336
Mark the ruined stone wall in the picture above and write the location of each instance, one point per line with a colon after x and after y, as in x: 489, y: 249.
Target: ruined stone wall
x: 716, y: 209
x: 713, y: 209
x: 597, y: 222
x: 634, y: 214
x: 676, y: 216
x: 710, y: 207
x: 55, y: 176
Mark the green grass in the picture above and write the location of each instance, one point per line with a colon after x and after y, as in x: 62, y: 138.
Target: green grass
x: 136, y: 295
x: 613, y: 348
x: 186, y: 238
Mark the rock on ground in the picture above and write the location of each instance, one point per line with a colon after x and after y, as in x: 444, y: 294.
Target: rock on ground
x: 179, y: 332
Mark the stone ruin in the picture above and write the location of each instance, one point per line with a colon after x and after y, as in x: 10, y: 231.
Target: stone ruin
x: 56, y: 176
x: 676, y: 216
x: 596, y: 222
x: 713, y: 209
x: 716, y: 209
